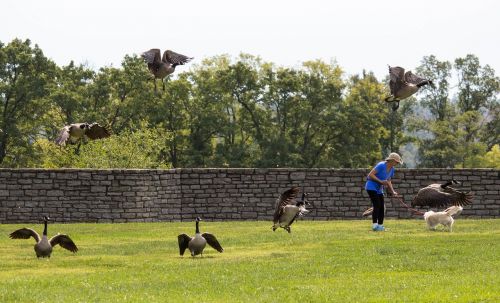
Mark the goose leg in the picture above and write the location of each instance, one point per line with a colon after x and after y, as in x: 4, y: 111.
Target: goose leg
x: 77, y: 150
x: 395, y: 106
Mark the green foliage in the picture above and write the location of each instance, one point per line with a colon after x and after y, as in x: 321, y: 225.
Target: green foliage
x: 25, y: 75
x: 342, y: 261
x: 140, y: 149
x: 242, y: 112
x: 457, y: 134
x: 492, y: 158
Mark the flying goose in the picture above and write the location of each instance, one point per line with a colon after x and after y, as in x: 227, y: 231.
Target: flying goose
x: 76, y: 132
x: 286, y: 212
x: 441, y: 195
x: 197, y: 243
x: 43, y: 246
x: 403, y: 85
x: 161, y: 67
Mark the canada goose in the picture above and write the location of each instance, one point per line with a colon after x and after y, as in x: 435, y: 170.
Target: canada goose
x: 285, y: 213
x: 161, y: 67
x: 441, y: 195
x: 403, y: 85
x: 76, y: 132
x: 43, y: 246
x: 197, y: 243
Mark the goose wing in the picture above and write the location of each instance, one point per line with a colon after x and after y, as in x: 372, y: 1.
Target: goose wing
x: 65, y: 242
x: 96, y: 131
x: 414, y: 79
x: 396, y: 77
x: 368, y: 212
x: 175, y: 58
x: 212, y: 241
x: 285, y: 198
x: 441, y: 197
x: 25, y: 233
x: 183, y: 242
x: 152, y: 56
x: 63, y: 136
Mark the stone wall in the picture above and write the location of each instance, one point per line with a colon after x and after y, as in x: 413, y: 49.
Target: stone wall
x: 83, y: 195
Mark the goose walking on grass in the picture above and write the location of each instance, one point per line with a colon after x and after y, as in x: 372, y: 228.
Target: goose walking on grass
x: 287, y: 209
x: 442, y: 195
x: 403, y: 85
x: 161, y: 67
x: 197, y: 243
x: 43, y: 246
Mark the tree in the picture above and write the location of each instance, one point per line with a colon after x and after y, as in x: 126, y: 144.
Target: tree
x: 478, y: 86
x: 25, y: 74
x: 436, y: 99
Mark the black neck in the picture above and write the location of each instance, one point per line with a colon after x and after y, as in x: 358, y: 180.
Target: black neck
x: 45, y: 228
x: 197, y: 228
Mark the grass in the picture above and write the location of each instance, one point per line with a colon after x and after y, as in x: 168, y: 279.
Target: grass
x: 333, y: 261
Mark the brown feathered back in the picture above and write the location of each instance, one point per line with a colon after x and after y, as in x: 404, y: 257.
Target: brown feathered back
x: 435, y: 195
x: 287, y: 197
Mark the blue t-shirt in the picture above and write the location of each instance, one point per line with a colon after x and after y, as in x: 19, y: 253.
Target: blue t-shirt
x: 382, y: 174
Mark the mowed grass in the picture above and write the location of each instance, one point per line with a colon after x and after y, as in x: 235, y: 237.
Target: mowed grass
x: 332, y: 261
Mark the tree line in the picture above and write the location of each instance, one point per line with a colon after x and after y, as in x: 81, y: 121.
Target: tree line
x: 243, y: 112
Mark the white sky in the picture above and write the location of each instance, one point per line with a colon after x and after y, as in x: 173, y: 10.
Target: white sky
x: 357, y: 34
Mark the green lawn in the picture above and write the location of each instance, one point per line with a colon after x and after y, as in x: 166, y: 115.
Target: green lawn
x: 334, y: 261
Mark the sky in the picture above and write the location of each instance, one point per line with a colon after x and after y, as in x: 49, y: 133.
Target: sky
x: 356, y: 34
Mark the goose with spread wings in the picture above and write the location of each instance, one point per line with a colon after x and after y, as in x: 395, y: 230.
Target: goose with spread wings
x: 437, y: 195
x: 442, y: 195
x: 403, y: 85
x: 76, y: 132
x: 43, y: 246
x: 197, y: 244
x: 287, y: 209
x: 161, y: 67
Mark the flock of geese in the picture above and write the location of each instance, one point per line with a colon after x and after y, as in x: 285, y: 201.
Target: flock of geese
x: 287, y: 209
x: 402, y: 85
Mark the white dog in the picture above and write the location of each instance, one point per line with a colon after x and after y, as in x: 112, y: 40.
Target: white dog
x: 442, y: 217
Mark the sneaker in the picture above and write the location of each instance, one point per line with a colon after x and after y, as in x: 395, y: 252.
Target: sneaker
x: 380, y: 228
x: 375, y: 226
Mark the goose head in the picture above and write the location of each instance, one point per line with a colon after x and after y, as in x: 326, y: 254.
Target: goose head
x: 45, y: 218
x: 303, y: 201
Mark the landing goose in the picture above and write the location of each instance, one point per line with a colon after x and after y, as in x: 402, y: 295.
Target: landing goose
x: 161, y: 67
x: 403, y: 85
x: 441, y: 195
x: 197, y: 243
x: 287, y: 209
x: 43, y: 246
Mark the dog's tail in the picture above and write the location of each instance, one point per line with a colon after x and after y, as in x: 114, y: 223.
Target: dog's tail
x: 454, y: 210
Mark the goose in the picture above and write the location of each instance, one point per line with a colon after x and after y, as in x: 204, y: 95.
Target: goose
x: 76, y: 132
x: 197, y: 243
x: 403, y: 85
x: 161, y: 67
x: 43, y: 246
x: 441, y: 195
x: 285, y: 212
